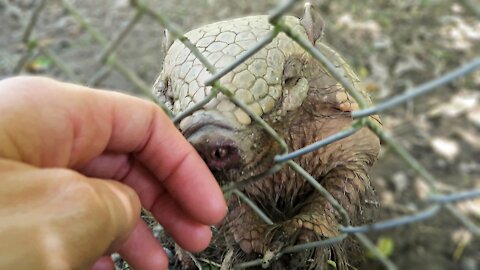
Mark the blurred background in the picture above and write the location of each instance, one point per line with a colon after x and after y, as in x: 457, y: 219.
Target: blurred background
x: 392, y: 45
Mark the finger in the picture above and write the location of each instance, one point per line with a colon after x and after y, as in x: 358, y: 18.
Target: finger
x: 168, y: 155
x: 123, y: 207
x: 109, y: 166
x: 142, y: 250
x: 125, y: 169
x: 189, y: 233
x: 104, y: 263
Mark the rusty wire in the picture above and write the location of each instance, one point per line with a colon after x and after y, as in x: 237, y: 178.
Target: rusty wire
x: 436, y: 200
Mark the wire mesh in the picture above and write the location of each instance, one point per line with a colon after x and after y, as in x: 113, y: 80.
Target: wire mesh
x: 436, y: 201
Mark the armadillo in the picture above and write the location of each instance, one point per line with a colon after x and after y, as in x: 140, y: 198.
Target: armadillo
x: 303, y: 103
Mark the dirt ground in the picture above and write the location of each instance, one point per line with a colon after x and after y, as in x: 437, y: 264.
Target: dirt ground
x: 393, y: 45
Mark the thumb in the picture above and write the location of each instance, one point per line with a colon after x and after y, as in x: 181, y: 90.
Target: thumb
x: 122, y: 205
x: 60, y: 219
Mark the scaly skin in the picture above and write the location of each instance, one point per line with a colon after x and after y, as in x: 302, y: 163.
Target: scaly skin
x: 288, y: 88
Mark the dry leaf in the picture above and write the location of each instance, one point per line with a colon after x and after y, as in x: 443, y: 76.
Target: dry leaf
x: 421, y: 188
x: 387, y: 198
x: 459, y: 34
x: 446, y: 148
x: 469, y: 137
x: 474, y: 116
x: 409, y: 63
x: 400, y: 181
x: 470, y: 207
x: 458, y: 104
x: 461, y: 235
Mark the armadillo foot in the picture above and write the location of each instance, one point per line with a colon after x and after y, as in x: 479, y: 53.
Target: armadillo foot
x: 299, y: 231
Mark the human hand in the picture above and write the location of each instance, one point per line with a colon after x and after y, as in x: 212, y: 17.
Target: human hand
x: 75, y: 165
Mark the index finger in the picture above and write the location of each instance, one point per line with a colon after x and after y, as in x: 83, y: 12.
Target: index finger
x: 98, y: 121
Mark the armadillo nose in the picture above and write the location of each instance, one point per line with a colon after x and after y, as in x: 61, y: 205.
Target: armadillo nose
x: 219, y: 154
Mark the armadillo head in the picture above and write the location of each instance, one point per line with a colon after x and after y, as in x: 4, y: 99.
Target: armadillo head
x: 273, y: 82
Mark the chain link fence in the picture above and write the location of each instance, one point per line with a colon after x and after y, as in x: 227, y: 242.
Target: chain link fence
x: 436, y: 201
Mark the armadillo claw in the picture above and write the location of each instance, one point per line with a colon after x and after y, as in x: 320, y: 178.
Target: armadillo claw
x: 251, y: 239
x: 293, y: 232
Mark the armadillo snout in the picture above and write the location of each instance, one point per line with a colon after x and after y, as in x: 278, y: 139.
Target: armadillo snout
x: 219, y: 153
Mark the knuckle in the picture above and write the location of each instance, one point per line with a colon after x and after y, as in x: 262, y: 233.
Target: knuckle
x: 62, y: 174
x: 81, y: 193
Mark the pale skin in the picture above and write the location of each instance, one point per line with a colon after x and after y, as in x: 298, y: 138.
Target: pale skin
x: 77, y: 164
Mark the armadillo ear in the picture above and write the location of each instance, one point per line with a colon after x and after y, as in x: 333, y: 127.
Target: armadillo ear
x: 168, y: 40
x: 312, y: 22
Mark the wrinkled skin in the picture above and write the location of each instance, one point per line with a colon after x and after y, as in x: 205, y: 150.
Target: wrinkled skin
x: 291, y: 91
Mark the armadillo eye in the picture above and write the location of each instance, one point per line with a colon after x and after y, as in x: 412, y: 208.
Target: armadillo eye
x: 292, y: 71
x: 289, y: 82
x: 168, y: 86
x: 163, y: 89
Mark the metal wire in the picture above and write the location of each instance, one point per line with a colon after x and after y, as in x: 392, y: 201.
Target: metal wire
x: 420, y: 90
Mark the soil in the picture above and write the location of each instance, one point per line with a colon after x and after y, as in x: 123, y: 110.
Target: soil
x: 393, y: 45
